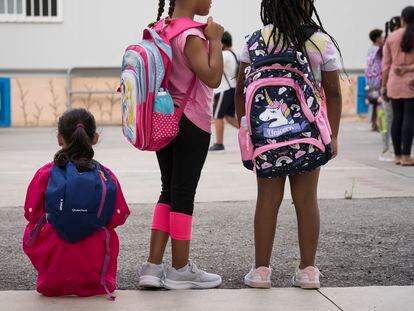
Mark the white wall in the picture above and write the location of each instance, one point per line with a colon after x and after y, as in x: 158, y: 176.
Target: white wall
x: 95, y: 32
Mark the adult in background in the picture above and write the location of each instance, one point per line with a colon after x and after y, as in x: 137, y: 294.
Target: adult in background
x: 224, y: 108
x: 385, y: 114
x: 399, y: 51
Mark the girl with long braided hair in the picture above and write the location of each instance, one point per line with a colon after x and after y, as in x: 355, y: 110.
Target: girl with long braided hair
x: 292, y: 25
x: 197, y: 56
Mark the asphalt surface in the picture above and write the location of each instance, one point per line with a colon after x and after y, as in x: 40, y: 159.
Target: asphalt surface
x: 364, y: 242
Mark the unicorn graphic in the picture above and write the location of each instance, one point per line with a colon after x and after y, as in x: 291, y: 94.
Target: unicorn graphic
x: 277, y: 111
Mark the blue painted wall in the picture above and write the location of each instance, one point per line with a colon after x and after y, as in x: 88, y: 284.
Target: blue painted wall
x: 5, y: 111
x: 362, y: 107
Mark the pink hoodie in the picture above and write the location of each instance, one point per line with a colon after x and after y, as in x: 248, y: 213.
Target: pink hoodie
x: 64, y: 268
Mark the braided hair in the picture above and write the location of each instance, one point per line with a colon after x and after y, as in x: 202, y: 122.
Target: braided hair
x: 161, y: 8
x: 161, y: 5
x: 288, y: 18
x: 171, y: 8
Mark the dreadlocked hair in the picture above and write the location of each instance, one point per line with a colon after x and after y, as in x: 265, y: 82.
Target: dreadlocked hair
x: 288, y: 18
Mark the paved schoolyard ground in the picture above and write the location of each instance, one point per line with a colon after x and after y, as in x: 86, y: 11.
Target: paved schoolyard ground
x: 366, y: 241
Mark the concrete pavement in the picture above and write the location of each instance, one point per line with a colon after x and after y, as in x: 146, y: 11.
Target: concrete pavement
x: 23, y: 151
x: 364, y: 242
x: 328, y: 299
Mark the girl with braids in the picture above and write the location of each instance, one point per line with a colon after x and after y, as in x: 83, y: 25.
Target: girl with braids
x: 197, y: 54
x: 68, y: 203
x: 396, y: 85
x: 289, y: 25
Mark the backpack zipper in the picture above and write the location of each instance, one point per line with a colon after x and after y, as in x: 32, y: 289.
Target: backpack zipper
x: 104, y: 191
x: 309, y: 141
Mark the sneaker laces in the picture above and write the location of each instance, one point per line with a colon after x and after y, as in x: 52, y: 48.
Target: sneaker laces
x: 194, y: 268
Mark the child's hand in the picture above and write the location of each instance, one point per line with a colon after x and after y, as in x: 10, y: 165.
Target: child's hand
x: 411, y: 84
x: 213, y: 31
x: 399, y: 71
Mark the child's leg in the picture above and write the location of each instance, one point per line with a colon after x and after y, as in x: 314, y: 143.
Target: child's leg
x: 160, y: 226
x: 389, y: 117
x: 396, y: 130
x: 219, y: 125
x: 269, y: 198
x: 232, y: 121
x: 190, y: 152
x: 304, y: 194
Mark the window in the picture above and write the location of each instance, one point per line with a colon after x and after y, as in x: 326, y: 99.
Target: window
x: 31, y: 11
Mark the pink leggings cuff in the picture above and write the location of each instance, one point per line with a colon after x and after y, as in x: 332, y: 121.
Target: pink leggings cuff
x: 180, y: 226
x: 161, y: 218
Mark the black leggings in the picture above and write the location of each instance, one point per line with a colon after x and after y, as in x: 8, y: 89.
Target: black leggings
x: 403, y: 125
x: 181, y: 163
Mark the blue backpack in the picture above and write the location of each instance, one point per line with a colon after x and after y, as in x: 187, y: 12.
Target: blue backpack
x: 287, y: 124
x: 79, y: 203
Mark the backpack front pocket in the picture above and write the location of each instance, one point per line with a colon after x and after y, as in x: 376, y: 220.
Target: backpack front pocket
x: 164, y: 119
x: 289, y: 158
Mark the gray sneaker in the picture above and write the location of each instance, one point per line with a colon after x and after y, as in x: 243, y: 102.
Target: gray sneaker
x: 151, y: 276
x: 190, y: 277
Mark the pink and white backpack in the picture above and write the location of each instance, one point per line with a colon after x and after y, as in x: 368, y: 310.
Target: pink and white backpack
x: 150, y: 119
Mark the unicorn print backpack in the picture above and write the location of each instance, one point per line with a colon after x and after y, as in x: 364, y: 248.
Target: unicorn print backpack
x: 150, y: 120
x: 286, y: 129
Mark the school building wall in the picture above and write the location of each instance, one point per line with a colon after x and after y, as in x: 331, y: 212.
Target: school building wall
x: 94, y: 33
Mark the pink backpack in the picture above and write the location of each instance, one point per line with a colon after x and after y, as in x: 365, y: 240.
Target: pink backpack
x: 150, y: 120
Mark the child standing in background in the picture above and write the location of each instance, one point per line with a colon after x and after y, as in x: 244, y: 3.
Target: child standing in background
x: 373, y: 74
x: 196, y: 54
x: 224, y: 108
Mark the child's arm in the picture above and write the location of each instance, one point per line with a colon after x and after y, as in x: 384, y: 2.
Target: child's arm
x: 121, y: 212
x: 34, y: 206
x: 332, y: 88
x: 207, y: 65
x: 239, y: 96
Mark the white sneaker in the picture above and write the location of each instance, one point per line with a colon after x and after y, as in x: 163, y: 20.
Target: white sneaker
x: 259, y: 278
x: 307, y: 278
x: 151, y: 276
x: 190, y: 277
x: 386, y: 157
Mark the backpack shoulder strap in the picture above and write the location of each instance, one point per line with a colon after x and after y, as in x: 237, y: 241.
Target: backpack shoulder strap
x: 256, y: 45
x: 176, y: 26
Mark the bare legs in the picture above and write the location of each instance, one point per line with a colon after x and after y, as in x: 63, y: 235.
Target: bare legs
x: 270, y: 196
x: 159, y: 240
x: 219, y: 125
x: 304, y: 194
x: 180, y: 249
